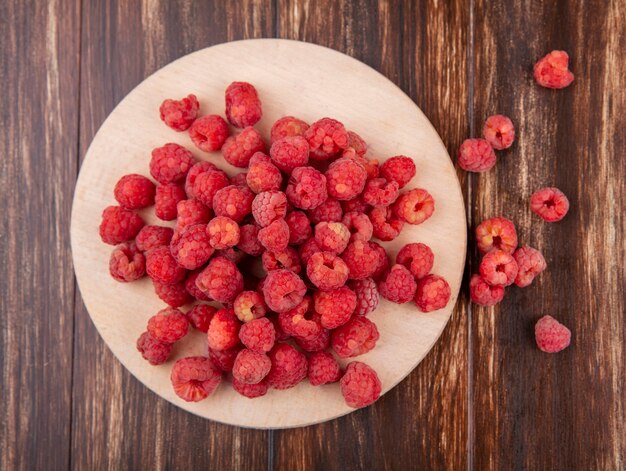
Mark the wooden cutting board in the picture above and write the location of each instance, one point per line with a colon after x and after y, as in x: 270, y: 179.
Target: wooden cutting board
x: 292, y: 78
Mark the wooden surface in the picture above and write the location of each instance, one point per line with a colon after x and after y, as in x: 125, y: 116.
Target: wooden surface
x: 484, y: 397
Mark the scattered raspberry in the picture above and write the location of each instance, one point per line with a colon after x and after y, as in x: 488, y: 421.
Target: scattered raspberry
x: 281, y: 335
x: 161, y: 266
x: 360, y: 385
x: 175, y: 295
x: 287, y: 259
x: 335, y: 306
x: 289, y: 367
x: 223, y: 332
x: 357, y: 143
x: 361, y: 258
x: 243, y: 107
x: 193, y: 249
x: 380, y: 192
x: 234, y: 202
x: 287, y: 126
x: 383, y: 261
x: 332, y: 236
x: 190, y: 212
x: 550, y: 204
x: 359, y: 225
x: 355, y: 205
x: 499, y: 131
x: 476, y: 155
x: 400, y: 169
x: 283, y: 290
x: 326, y: 137
x: 306, y: 188
x: 275, y: 237
x: 370, y: 165
x: 239, y: 149
x: 345, y: 179
x: 248, y: 240
x: 134, y: 191
x: 414, y: 206
x: 209, y: 133
x: 195, y: 378
x: 258, y: 335
x: 262, y: 174
x: 329, y: 210
x: 179, y: 114
x: 168, y: 325
x: 496, y: 233
x: 398, y: 285
x: 498, y: 268
x: 207, y: 184
x: 200, y: 316
x: 433, y: 292
x: 233, y: 254
x: 483, y: 294
x: 418, y: 258
x: 300, y: 321
x: 194, y: 171
x: 192, y: 289
x: 551, y: 336
x: 530, y: 263
x: 249, y: 305
x: 119, y: 225
x: 166, y: 200
x: 327, y: 270
x: 221, y: 280
x: 251, y: 367
x: 150, y: 237
x: 251, y: 391
x: 323, y: 369
x: 223, y: 232
x: 551, y: 71
x: 154, y: 351
x: 268, y: 206
x: 307, y: 249
x: 320, y: 343
x: 299, y: 227
x: 224, y: 359
x: 385, y: 225
x: 240, y: 179
x: 170, y: 163
x: 289, y: 153
x: 127, y: 263
x: 366, y: 296
x: 357, y: 337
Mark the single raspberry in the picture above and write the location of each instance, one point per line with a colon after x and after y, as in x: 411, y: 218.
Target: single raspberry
x: 249, y: 305
x: 262, y: 174
x: 240, y: 179
x: 170, y: 163
x: 499, y: 131
x: 498, y: 268
x: 239, y: 149
x: 195, y: 378
x: 190, y: 212
x: 385, y: 225
x: 359, y: 225
x: 332, y: 236
x: 306, y: 188
x: 370, y: 165
x: 383, y: 261
x: 400, y: 169
x: 414, y: 206
x: 367, y: 296
x: 476, y: 155
x: 248, y: 240
x: 417, y: 257
x: 357, y: 337
x: 234, y: 202
x: 268, y: 206
x: 127, y: 263
x: 194, y: 171
x: 193, y: 249
x: 134, y: 191
x: 223, y: 332
x: 357, y: 143
x: 119, y: 225
x: 551, y: 336
x: 398, y: 285
x: 223, y: 232
x: 380, y: 192
x: 361, y: 258
x: 175, y: 295
x: 233, y: 254
x: 166, y: 200
x: 301, y: 321
x: 327, y: 270
x: 209, y: 133
x: 150, y: 237
x: 335, y: 306
x: 551, y: 71
x: 433, y: 292
x: 192, y: 289
x: 320, y: 343
x: 289, y: 153
x: 289, y: 367
x: 483, y: 294
x: 275, y: 237
x: 207, y: 184
x: 161, y: 266
x: 299, y: 227
x: 200, y: 316
x: 530, y: 263
x: 496, y: 233
x: 281, y: 335
x: 360, y: 385
x: 251, y: 367
x: 221, y: 280
x: 258, y: 335
x: 326, y: 137
x: 169, y: 325
x: 224, y: 359
x: 307, y: 249
x: 283, y: 290
x: 550, y: 204
x: 251, y: 391
x: 153, y: 350
x: 345, y: 179
x: 243, y: 107
x: 323, y: 369
x: 287, y: 126
x: 329, y: 210
x: 355, y: 205
x: 179, y: 114
x: 287, y: 258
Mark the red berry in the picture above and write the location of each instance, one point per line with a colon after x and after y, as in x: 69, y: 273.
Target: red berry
x: 551, y: 71
x: 209, y: 133
x: 551, y: 336
x: 415, y: 206
x: 550, y: 204
x: 345, y: 179
x: 287, y: 258
x: 251, y: 390
x: 150, y: 237
x: 283, y: 290
x: 240, y: 178
x: 262, y: 174
x: 194, y: 171
x: 476, y: 155
x: 380, y: 192
x: 119, y: 225
x: 530, y: 263
x: 195, y: 378
x: 166, y: 200
x: 433, y: 292
x: 289, y: 153
x: 268, y: 206
x: 289, y: 367
x: 207, y: 184
x: 239, y: 149
x: 329, y: 210
x: 299, y: 227
x: 327, y: 270
x: 179, y: 114
x: 335, y: 306
x: 499, y: 131
x: 258, y: 335
x: 243, y: 107
x: 223, y: 232
x: 234, y: 202
x: 367, y: 296
x: 332, y: 236
x: 498, y: 268
x: 383, y: 261
x: 356, y: 205
x: 357, y: 143
x: 360, y: 385
x: 417, y: 257
x: 161, y: 266
x: 357, y: 337
x: 327, y: 138
x: 323, y: 369
x: 175, y: 295
x: 385, y: 225
x: 249, y: 305
x: 398, y: 285
x: 224, y: 359
x: 496, y: 233
x: 200, y: 316
x: 223, y: 332
x: 301, y: 321
x: 400, y: 169
x: 190, y: 212
x: 319, y: 343
x: 153, y: 350
x: 248, y: 240
x: 170, y: 163
x: 127, y: 263
x: 251, y: 367
x: 359, y: 225
x: 361, y: 258
x: 306, y: 188
x: 192, y: 289
x: 134, y: 191
x: 193, y: 248
x: 221, y: 280
x: 275, y: 237
x: 168, y: 325
x: 287, y: 126
x: 307, y: 249
x: 483, y: 294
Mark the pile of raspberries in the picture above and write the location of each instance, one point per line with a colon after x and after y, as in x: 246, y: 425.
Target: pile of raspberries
x: 285, y: 247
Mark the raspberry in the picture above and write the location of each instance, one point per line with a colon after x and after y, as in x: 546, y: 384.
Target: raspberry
x: 326, y: 137
x: 289, y: 153
x: 175, y: 295
x: 166, y: 200
x: 551, y: 70
x: 327, y: 270
x: 170, y: 163
x: 357, y: 337
x: 414, y: 206
x: 476, y: 155
x: 483, y: 294
x: 192, y: 289
x: 550, y: 204
x: 263, y: 174
x: 209, y: 133
x: 399, y: 169
x: 323, y: 369
x: 361, y: 258
x: 335, y: 306
x: 224, y: 359
x: 221, y: 280
x: 190, y: 212
x: 194, y: 171
x: 233, y: 254
x: 357, y: 143
x: 530, y: 263
x: 119, y: 225
x: 496, y: 233
x: 251, y: 367
x: 433, y: 292
x: 498, y: 268
x: 332, y: 236
x: 223, y: 232
x: 275, y: 237
x: 193, y: 248
x: 134, y: 191
x: 418, y: 258
x: 283, y: 290
x: 307, y: 249
x: 223, y: 332
x: 366, y: 296
x: 195, y: 378
x: 398, y: 285
x: 243, y: 107
x: 360, y: 385
x: 289, y: 367
x: 200, y: 316
x: 161, y: 266
x: 319, y: 343
x: 355, y: 205
x: 345, y: 179
x: 239, y: 149
x: 370, y: 166
x: 127, y: 263
x: 268, y: 206
x: 287, y: 126
x: 248, y: 240
x: 499, y: 131
x: 281, y: 335
x: 359, y: 226
x: 329, y: 210
x: 168, y: 325
x: 287, y: 258
x: 299, y: 227
x: 240, y: 178
x: 207, y: 184
x: 380, y: 192
x: 383, y: 261
x: 234, y: 202
x: 385, y: 225
x: 151, y: 349
x: 249, y: 305
x: 306, y: 188
x: 179, y: 114
x: 150, y: 237
x: 251, y: 390
x: 301, y: 321
x: 258, y: 335
x: 551, y: 336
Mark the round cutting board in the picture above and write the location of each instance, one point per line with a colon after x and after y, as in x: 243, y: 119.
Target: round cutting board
x: 292, y: 78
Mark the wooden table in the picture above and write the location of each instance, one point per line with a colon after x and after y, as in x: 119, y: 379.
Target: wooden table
x: 485, y: 397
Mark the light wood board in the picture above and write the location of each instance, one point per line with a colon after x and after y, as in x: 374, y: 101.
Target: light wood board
x: 293, y: 78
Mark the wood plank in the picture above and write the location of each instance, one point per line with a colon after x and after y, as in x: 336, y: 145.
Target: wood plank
x: 565, y: 411
x: 117, y: 422
x: 38, y: 131
x: 422, y: 423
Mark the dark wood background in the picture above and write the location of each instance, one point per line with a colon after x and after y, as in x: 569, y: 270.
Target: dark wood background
x: 485, y: 397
